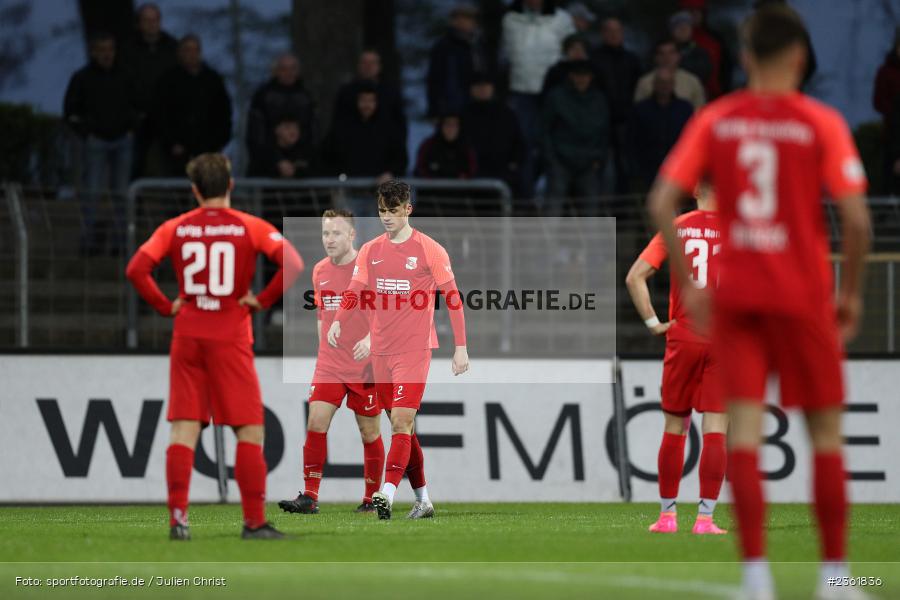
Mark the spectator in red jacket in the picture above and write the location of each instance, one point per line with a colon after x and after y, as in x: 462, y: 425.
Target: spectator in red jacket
x: 446, y: 155
x: 885, y: 99
x: 887, y: 82
x: 694, y: 58
x: 715, y: 46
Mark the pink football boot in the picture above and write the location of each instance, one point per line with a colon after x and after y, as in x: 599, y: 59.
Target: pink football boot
x: 667, y: 523
x: 705, y: 526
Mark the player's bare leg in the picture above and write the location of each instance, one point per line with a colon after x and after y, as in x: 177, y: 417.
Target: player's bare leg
x: 373, y: 458
x: 746, y: 417
x: 830, y: 497
x: 402, y: 423
x: 179, y: 465
x: 713, y: 459
x: 315, y: 453
x: 250, y: 473
x: 670, y: 463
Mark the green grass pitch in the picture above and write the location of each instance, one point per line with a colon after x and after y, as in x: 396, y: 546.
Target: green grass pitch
x: 467, y: 551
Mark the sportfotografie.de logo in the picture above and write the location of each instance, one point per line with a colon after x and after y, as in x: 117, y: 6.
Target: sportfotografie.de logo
x: 395, y: 294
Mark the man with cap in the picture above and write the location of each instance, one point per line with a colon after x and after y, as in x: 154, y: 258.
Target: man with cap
x: 584, y: 19
x: 714, y: 44
x: 694, y: 59
x: 453, y: 60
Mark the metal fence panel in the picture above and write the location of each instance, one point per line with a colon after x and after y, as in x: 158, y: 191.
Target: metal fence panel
x: 73, y: 301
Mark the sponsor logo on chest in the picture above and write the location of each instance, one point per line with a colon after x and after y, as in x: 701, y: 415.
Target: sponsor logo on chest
x: 331, y: 302
x: 387, y: 285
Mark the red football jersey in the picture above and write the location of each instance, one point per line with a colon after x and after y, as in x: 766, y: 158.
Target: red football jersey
x: 404, y: 278
x: 329, y: 282
x: 701, y: 242
x: 213, y: 252
x: 770, y: 157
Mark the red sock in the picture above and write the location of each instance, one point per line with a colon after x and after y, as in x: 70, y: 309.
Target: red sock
x: 670, y: 464
x: 315, y: 451
x: 179, y: 464
x: 373, y: 461
x: 712, y: 465
x: 830, y: 492
x: 749, y: 506
x: 397, y: 458
x: 415, y: 470
x: 250, y: 473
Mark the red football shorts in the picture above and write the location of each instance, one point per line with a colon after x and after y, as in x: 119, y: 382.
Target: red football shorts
x: 400, y: 378
x: 688, y: 381
x: 213, y: 378
x: 361, y: 396
x: 805, y: 352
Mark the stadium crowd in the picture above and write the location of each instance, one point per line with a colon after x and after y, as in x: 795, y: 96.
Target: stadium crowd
x: 569, y: 99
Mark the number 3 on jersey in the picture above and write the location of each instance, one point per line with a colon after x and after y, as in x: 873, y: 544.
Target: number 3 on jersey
x: 760, y: 159
x: 699, y: 262
x: 220, y: 261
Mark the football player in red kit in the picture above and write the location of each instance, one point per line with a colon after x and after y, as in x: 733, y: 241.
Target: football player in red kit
x: 396, y: 279
x: 688, y: 367
x: 342, y: 371
x: 213, y: 250
x: 770, y: 152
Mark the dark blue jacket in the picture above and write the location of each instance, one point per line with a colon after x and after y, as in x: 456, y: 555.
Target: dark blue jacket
x: 653, y: 130
x: 451, y: 65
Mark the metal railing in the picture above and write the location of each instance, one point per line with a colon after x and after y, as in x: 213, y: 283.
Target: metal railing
x: 249, y: 193
x: 17, y: 218
x: 53, y: 297
x: 889, y: 261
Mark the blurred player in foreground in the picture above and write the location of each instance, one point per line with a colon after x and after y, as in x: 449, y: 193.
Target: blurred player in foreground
x: 396, y: 278
x: 689, y: 370
x: 342, y: 371
x: 770, y: 152
x: 213, y: 250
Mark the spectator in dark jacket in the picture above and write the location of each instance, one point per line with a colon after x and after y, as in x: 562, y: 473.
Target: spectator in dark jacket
x: 369, y: 144
x: 453, y: 60
x: 694, y: 59
x: 714, y: 44
x: 446, y: 154
x: 492, y: 128
x: 100, y: 107
x: 892, y: 151
x: 368, y: 73
x: 885, y: 99
x: 574, y: 48
x: 149, y: 55
x: 575, y: 138
x: 656, y: 124
x: 290, y: 156
x: 887, y: 81
x: 282, y: 97
x: 194, y: 107
x: 619, y: 70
